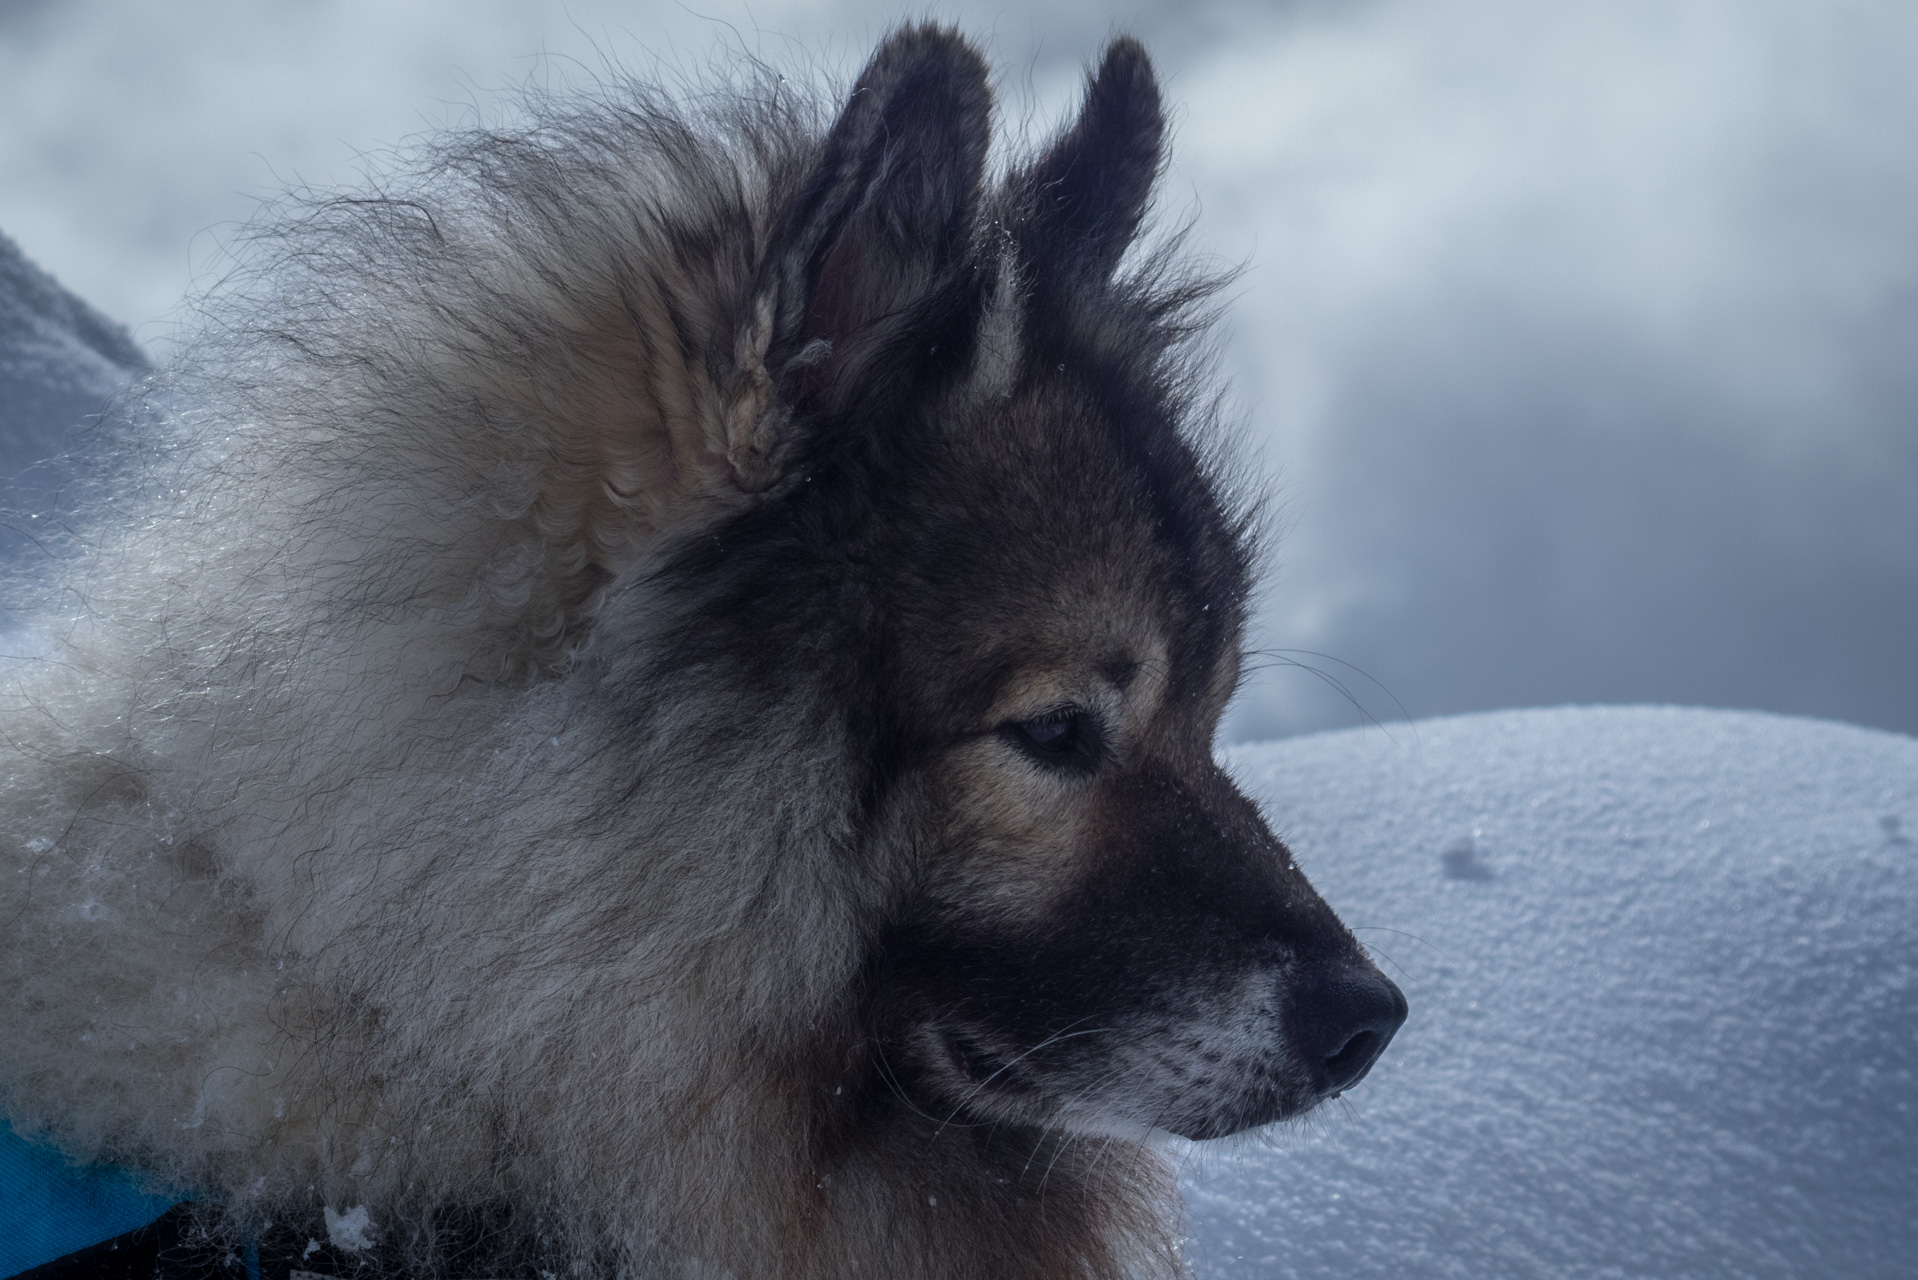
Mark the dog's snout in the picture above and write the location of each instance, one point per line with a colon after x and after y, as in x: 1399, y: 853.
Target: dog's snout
x: 1342, y: 1019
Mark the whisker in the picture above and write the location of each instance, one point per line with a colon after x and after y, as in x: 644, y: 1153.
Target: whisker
x: 1284, y: 658
x: 1381, y: 928
x: 1056, y: 1037
x: 899, y: 1090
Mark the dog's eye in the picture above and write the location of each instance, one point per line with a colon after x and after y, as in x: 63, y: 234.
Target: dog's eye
x: 1067, y: 739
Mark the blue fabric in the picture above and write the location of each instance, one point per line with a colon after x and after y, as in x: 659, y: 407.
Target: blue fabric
x: 50, y: 1207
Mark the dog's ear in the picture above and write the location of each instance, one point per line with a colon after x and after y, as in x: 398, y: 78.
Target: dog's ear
x: 1077, y: 208
x: 865, y: 285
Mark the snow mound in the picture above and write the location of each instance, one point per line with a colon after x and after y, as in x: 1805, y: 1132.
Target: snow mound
x: 60, y: 361
x: 1663, y: 969
x: 61, y: 365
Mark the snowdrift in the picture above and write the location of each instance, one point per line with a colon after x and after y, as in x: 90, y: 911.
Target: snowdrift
x: 1663, y: 968
x: 60, y: 361
x: 61, y: 365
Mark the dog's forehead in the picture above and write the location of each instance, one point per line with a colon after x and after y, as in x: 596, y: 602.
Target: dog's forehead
x: 1100, y: 625
x: 1057, y: 549
x: 1097, y: 493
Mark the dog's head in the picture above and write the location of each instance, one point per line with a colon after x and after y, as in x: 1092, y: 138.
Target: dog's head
x: 983, y: 517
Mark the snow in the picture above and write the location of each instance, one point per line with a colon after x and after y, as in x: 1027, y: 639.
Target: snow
x: 1663, y: 970
x: 349, y: 1229
x: 60, y: 361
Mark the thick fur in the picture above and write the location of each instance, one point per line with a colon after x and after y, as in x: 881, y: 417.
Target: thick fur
x: 653, y: 706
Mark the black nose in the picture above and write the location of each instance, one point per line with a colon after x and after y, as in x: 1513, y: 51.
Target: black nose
x: 1343, y: 1016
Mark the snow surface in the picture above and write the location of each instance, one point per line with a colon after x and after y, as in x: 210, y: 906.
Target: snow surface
x: 351, y: 1229
x: 61, y: 364
x: 1663, y: 974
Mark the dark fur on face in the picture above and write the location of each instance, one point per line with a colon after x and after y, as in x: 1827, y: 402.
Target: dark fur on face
x: 1027, y: 593
x: 684, y: 644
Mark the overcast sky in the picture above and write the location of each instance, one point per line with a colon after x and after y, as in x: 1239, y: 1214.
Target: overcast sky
x: 1579, y: 338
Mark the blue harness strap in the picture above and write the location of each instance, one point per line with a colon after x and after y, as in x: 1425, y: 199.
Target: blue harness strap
x: 50, y: 1207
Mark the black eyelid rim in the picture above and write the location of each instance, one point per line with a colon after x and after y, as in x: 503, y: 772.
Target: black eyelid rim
x: 1073, y: 759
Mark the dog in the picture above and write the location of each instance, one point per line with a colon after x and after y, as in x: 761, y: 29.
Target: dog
x: 649, y: 709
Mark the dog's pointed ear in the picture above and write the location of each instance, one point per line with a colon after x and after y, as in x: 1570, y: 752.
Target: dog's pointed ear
x: 1079, y: 206
x: 867, y: 258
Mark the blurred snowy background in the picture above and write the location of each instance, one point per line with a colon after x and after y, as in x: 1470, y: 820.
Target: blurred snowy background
x: 1581, y: 340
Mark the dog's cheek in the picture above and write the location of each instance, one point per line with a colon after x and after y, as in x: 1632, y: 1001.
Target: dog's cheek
x: 1013, y: 845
